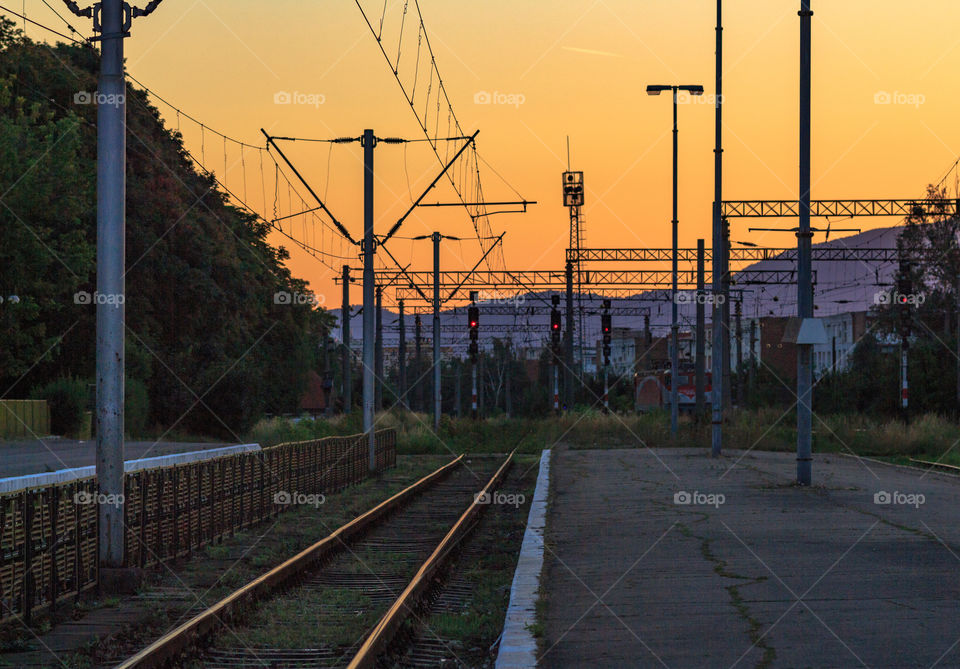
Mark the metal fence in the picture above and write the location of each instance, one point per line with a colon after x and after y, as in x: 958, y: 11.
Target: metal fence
x: 49, y: 536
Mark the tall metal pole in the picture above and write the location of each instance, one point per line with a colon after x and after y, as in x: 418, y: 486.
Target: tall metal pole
x: 459, y: 368
x: 481, y: 395
x: 369, y: 244
x: 473, y: 390
x: 753, y: 357
x: 418, y: 363
x: 568, y: 341
x: 804, y: 258
x: 402, y: 358
x: 345, y: 335
x: 507, y: 399
x: 606, y: 389
x: 716, y: 380
x: 378, y: 353
x: 111, y: 235
x: 701, y: 370
x: 556, y: 386
x: 956, y: 315
x: 725, y: 313
x: 739, y: 328
x: 436, y: 331
x: 674, y: 311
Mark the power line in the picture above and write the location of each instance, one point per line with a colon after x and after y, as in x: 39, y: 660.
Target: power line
x: 468, y: 186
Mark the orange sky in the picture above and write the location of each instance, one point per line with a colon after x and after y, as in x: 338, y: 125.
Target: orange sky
x: 581, y: 67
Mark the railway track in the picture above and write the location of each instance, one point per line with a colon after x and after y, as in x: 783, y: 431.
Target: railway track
x: 927, y: 463
x: 342, y: 601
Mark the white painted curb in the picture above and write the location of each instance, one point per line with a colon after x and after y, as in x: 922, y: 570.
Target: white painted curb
x: 518, y: 648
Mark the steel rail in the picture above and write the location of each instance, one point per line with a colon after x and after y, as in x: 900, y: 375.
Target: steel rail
x: 165, y: 650
x: 936, y: 464
x: 382, y: 635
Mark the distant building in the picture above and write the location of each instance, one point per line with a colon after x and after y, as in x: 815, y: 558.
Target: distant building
x: 844, y: 331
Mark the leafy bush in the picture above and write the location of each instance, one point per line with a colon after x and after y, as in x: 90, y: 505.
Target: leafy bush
x: 67, y: 397
x: 136, y: 409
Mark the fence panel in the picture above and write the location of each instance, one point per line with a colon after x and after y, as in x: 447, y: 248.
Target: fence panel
x: 48, y: 536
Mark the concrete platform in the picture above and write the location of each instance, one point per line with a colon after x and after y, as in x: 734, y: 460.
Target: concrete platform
x: 670, y: 558
x: 36, y: 456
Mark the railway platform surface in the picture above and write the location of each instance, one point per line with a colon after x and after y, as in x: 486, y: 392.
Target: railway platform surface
x: 22, y: 457
x: 670, y: 558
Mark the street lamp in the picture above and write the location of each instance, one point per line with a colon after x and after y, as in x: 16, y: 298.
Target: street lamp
x: 674, y: 324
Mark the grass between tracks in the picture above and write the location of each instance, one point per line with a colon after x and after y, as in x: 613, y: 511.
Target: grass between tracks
x: 487, y: 563
x: 928, y: 437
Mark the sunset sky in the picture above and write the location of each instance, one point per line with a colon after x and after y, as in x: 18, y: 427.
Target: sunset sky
x: 581, y: 68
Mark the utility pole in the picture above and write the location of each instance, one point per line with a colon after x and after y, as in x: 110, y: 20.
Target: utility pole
x: 674, y: 307
x: 753, y: 357
x: 804, y: 258
x: 368, y: 142
x: 456, y: 364
x: 345, y: 335
x: 739, y: 314
x: 904, y: 294
x: 716, y: 380
x: 701, y: 371
x: 402, y: 358
x: 506, y: 379
x: 111, y: 236
x: 568, y: 341
x: 725, y: 315
x: 956, y: 297
x: 473, y: 317
x: 436, y: 331
x: 418, y: 361
x: 112, y: 19
x: 481, y: 406
x: 555, y: 324
x: 606, y: 330
x: 378, y: 357
x: 474, y: 408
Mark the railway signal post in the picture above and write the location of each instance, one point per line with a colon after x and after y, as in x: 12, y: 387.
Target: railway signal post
x: 555, y: 350
x: 903, y: 300
x: 473, y: 318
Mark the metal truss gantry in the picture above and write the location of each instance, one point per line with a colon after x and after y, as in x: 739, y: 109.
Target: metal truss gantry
x: 839, y: 208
